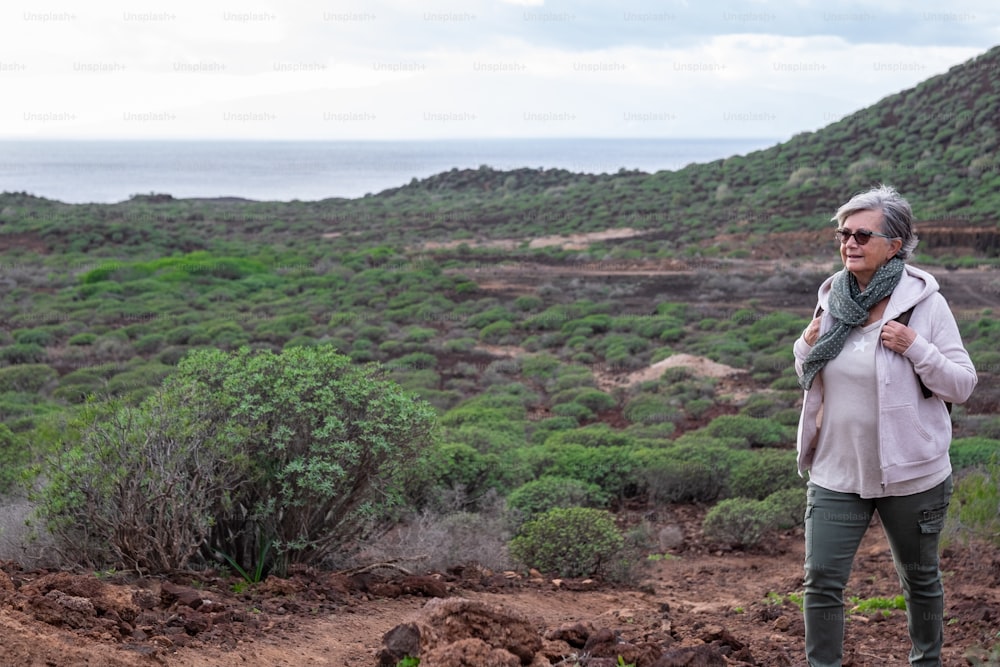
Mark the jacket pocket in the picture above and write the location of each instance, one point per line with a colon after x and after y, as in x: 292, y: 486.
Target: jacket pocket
x: 904, y: 439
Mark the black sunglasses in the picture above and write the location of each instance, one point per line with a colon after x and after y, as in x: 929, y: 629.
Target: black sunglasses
x: 862, y: 236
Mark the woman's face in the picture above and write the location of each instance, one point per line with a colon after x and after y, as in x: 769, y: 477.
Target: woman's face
x: 864, y: 260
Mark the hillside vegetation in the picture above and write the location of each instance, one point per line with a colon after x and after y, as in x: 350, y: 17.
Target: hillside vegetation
x: 542, y: 362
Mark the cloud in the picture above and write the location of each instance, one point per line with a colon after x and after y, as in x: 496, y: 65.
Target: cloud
x: 477, y: 68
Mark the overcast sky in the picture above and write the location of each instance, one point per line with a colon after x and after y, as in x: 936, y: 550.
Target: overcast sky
x: 391, y: 69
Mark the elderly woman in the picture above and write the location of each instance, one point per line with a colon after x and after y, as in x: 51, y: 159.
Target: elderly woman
x: 881, y: 363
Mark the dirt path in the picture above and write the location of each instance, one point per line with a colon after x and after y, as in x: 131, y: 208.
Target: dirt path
x: 684, y: 599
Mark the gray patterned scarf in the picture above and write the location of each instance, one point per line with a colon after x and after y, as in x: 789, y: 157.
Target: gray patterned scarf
x: 849, y: 307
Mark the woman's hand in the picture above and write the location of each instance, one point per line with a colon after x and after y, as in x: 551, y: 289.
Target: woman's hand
x: 897, y: 337
x: 811, y: 334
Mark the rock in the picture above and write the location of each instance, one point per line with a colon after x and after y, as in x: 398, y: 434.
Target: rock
x: 469, y: 653
x: 782, y: 623
x: 601, y: 643
x: 670, y: 537
x: 445, y: 621
x: 6, y: 585
x: 195, y: 623
x: 173, y: 594
x: 694, y: 656
x: 58, y: 608
x: 144, y: 599
x: 72, y: 602
x: 278, y: 586
x: 582, y: 585
x: 387, y: 590
x: 399, y: 642
x: 425, y: 586
x: 722, y: 640
x: 555, y: 650
x: 574, y: 634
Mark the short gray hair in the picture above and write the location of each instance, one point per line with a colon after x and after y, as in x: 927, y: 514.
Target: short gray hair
x: 897, y: 216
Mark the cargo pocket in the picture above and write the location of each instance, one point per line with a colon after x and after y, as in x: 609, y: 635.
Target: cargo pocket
x: 810, y: 506
x: 931, y: 524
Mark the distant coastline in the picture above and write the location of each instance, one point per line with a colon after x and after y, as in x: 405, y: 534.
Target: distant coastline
x: 113, y: 171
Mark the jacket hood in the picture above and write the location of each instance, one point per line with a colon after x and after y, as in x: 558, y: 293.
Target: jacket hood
x: 914, y: 286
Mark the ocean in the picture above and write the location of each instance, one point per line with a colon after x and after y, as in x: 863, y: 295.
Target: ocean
x: 112, y: 171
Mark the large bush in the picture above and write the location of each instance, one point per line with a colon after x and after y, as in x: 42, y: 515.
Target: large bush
x: 569, y: 541
x: 244, y: 451
x: 141, y: 487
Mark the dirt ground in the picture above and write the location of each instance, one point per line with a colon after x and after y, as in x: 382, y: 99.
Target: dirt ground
x: 743, y: 602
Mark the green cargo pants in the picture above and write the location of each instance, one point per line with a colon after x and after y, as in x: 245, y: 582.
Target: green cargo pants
x: 835, y: 523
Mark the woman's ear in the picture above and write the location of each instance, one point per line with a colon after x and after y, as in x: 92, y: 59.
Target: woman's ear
x: 894, y: 246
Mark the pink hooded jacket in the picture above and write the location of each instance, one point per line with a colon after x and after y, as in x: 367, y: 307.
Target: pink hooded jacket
x: 914, y: 432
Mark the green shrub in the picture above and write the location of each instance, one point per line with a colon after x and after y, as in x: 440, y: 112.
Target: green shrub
x: 419, y: 335
x: 14, y: 457
x: 147, y: 376
x: 28, y: 378
x: 317, y: 443
x: 593, y: 435
x: 85, y: 338
x: 652, y: 409
x: 738, y: 522
x: 665, y: 479
x: 543, y: 429
x: 612, y: 469
x: 22, y: 353
x: 280, y: 329
x: 697, y: 407
x: 577, y: 411
x: 973, y: 452
x: 788, y: 507
x: 972, y: 513
x: 765, y: 472
x: 538, y: 496
x: 40, y: 337
x: 495, y: 332
x: 540, y: 366
x: 527, y: 302
x: 452, y: 466
x: 569, y: 542
x: 138, y: 487
x: 414, y: 360
x: 719, y: 457
x: 462, y: 344
x: 593, y: 399
x: 757, y: 432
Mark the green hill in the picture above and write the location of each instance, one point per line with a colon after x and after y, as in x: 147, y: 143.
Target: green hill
x: 937, y: 142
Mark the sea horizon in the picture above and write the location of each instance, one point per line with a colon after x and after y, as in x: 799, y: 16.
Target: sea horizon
x: 80, y: 171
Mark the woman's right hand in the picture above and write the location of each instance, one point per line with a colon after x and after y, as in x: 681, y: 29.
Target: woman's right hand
x: 811, y: 334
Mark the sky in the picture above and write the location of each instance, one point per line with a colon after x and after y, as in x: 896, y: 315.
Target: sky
x: 456, y: 69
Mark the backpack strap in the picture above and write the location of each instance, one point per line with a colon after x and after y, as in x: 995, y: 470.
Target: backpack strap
x: 905, y: 320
